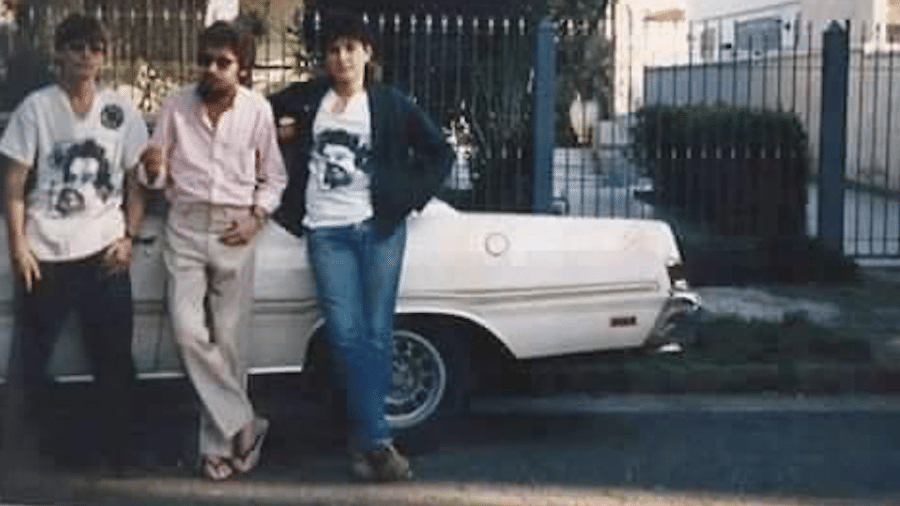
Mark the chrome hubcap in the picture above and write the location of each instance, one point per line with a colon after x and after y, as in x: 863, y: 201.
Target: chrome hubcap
x: 418, y: 380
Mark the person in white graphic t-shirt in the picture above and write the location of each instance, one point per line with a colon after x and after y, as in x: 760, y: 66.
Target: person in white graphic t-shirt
x: 362, y: 156
x: 69, y: 151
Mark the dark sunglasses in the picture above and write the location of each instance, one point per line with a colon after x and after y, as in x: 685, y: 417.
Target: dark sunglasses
x: 223, y: 62
x: 80, y: 46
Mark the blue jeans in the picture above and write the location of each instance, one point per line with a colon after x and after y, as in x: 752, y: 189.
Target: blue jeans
x: 357, y: 275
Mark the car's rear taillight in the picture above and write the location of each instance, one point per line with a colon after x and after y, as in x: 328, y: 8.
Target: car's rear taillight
x: 677, y: 274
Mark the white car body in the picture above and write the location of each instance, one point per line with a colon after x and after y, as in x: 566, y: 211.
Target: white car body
x: 540, y: 286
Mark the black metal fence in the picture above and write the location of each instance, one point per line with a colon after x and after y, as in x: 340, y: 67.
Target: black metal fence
x: 482, y: 79
x: 841, y: 81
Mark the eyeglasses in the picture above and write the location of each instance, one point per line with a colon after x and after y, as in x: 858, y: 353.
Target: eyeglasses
x: 80, y: 46
x: 223, y: 62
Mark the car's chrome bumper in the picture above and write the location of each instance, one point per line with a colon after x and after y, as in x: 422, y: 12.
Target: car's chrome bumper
x: 676, y: 311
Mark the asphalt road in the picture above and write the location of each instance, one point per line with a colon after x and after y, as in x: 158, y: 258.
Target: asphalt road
x: 544, y: 451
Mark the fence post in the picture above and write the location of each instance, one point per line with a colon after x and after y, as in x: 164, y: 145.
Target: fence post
x: 833, y: 134
x: 544, y: 116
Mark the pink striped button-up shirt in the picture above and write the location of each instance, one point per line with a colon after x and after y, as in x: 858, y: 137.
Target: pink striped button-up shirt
x: 236, y: 162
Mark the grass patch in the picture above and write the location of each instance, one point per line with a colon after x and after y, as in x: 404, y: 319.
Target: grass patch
x: 730, y: 354
x: 736, y: 340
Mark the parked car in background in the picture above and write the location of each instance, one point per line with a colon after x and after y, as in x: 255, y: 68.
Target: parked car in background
x: 477, y: 288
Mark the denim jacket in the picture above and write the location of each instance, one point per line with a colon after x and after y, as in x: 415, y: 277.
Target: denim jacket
x: 411, y: 156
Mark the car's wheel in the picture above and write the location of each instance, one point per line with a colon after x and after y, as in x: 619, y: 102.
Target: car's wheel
x: 429, y: 377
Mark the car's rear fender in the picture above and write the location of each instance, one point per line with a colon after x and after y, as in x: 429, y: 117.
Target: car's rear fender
x: 424, y: 315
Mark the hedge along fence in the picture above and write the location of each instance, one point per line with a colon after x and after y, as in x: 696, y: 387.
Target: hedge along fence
x: 738, y: 171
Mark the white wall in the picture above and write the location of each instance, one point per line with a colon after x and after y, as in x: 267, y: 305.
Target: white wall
x: 800, y: 17
x: 641, y: 44
x: 814, y: 10
x: 859, y: 10
x: 709, y: 9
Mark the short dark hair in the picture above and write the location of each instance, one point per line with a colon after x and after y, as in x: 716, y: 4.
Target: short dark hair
x: 79, y: 28
x: 225, y: 34
x: 337, y: 23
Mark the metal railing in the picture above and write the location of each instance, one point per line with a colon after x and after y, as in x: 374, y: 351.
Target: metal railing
x: 857, y: 210
x: 477, y: 77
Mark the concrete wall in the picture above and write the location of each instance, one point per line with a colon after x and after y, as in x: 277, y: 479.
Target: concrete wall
x: 798, y: 18
x: 873, y: 120
x: 823, y: 10
x: 814, y: 10
x: 789, y: 83
x: 641, y: 45
x: 700, y: 10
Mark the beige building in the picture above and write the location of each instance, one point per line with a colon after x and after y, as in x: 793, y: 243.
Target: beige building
x: 649, y: 33
x: 740, y: 28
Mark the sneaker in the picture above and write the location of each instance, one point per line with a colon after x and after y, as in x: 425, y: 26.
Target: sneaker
x: 360, y: 467
x: 382, y: 464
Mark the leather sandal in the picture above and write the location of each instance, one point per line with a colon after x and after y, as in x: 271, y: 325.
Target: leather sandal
x: 215, y: 468
x: 244, y: 461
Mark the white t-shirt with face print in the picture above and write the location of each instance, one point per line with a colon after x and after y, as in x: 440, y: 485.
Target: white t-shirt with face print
x: 337, y: 193
x: 74, y: 208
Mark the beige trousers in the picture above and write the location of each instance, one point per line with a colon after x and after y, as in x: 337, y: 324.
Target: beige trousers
x: 210, y: 296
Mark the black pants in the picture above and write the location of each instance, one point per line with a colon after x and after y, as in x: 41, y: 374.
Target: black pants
x: 104, y: 308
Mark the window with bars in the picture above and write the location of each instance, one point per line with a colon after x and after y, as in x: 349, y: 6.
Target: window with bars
x: 761, y: 34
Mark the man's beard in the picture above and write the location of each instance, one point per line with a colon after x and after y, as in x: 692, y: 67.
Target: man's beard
x: 204, y: 90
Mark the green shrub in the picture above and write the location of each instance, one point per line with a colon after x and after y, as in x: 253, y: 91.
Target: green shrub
x: 740, y: 171
x: 735, y: 339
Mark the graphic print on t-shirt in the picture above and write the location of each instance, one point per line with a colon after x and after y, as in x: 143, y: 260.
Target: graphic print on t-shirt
x: 81, y: 171
x: 339, y: 159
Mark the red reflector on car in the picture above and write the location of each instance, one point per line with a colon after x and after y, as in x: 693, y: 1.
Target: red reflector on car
x: 623, y: 321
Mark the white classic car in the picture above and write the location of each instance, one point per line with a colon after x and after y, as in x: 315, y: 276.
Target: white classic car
x: 475, y: 287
